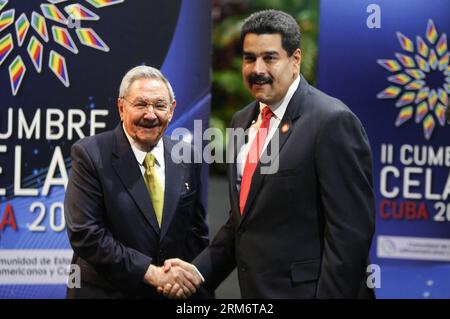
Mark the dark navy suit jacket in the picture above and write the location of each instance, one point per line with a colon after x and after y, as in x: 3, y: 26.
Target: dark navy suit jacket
x: 111, y: 223
x: 306, y: 229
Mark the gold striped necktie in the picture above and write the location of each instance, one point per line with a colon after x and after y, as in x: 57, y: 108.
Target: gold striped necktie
x: 154, y: 186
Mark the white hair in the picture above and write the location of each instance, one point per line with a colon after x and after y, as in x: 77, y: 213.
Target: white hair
x: 143, y: 72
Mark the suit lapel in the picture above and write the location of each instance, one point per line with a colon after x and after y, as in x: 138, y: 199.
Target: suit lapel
x: 174, y: 176
x: 129, y: 173
x: 232, y: 177
x: 293, y: 112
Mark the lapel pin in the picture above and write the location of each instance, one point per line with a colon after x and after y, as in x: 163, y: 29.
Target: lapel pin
x: 285, y: 128
x: 187, y: 186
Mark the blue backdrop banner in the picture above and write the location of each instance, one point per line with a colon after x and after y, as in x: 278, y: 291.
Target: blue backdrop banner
x: 61, y: 63
x: 389, y: 62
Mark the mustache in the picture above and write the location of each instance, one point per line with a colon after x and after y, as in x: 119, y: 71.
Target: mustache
x: 149, y: 124
x: 259, y: 79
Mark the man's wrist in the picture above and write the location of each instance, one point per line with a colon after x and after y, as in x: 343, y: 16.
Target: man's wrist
x: 150, y: 276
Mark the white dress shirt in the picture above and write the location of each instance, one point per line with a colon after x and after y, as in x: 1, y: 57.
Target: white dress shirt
x: 158, y: 153
x: 278, y: 110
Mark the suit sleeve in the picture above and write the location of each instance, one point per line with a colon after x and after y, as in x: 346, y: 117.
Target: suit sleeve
x: 88, y: 231
x: 344, y: 167
x: 198, y: 236
x: 217, y: 261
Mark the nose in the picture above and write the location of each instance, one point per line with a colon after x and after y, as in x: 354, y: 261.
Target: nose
x: 150, y: 113
x: 260, y: 66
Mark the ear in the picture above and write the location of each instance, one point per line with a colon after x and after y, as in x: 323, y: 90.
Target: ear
x: 120, y: 107
x: 297, y: 58
x: 172, y: 109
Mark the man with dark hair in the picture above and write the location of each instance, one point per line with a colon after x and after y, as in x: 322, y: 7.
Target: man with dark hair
x: 304, y: 230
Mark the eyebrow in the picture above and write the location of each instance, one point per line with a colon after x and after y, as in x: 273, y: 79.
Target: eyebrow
x: 142, y: 99
x: 138, y: 99
x: 264, y: 53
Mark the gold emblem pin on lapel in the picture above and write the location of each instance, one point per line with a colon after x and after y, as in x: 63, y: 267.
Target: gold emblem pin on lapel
x: 187, y: 186
x: 285, y: 128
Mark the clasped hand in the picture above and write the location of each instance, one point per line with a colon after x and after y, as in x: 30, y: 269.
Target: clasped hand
x: 176, y: 279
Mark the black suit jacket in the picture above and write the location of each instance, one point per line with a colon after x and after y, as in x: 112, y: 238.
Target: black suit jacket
x: 111, y: 223
x: 306, y: 229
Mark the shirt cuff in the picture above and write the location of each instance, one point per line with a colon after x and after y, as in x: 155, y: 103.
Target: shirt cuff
x: 199, y: 273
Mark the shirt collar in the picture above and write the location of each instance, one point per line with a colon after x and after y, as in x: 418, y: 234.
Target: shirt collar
x: 157, y: 151
x: 280, y: 108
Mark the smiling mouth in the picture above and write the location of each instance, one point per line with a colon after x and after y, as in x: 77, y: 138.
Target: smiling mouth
x: 149, y: 126
x: 259, y: 85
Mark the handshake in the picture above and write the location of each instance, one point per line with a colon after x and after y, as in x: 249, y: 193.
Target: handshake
x: 176, y: 279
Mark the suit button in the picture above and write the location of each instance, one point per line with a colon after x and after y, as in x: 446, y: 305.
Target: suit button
x: 243, y: 267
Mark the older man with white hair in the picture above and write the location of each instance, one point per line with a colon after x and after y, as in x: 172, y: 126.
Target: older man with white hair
x: 128, y: 206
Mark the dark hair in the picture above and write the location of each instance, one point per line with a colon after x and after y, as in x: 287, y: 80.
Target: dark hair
x: 273, y: 21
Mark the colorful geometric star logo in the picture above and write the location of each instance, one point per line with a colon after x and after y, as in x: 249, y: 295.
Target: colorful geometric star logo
x: 413, y: 70
x: 58, y: 21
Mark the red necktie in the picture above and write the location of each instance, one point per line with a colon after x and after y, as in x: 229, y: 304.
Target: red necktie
x: 253, y: 156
